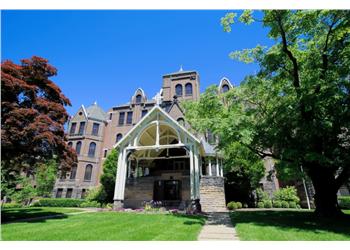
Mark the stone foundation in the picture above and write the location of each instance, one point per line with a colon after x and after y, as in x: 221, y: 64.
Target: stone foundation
x: 212, y: 194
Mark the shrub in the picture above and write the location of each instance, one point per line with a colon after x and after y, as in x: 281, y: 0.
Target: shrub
x: 284, y: 204
x: 239, y: 205
x: 267, y: 204
x: 260, y: 204
x: 90, y: 204
x: 261, y: 195
x: 58, y: 202
x: 277, y: 204
x: 245, y: 205
x: 344, y: 202
x: 288, y: 194
x: 298, y: 206
x: 232, y: 205
x: 96, y: 194
x: 292, y: 204
x: 11, y: 205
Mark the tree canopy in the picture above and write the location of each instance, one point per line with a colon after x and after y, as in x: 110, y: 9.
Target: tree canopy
x: 33, y: 116
x: 107, y: 178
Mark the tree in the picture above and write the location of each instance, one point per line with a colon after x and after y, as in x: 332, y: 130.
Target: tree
x: 33, y: 116
x: 24, y: 192
x: 107, y: 178
x: 45, y: 178
x: 296, y: 108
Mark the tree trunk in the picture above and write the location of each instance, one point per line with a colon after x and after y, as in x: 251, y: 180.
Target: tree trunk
x: 326, y: 201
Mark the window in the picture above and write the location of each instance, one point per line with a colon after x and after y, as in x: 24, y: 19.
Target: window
x: 138, y: 99
x: 178, y: 90
x: 72, y: 128
x: 181, y: 121
x: 81, y: 128
x: 118, y: 137
x: 188, y: 89
x: 211, y: 138
x: 59, y: 193
x: 78, y: 147
x: 95, y: 128
x: 73, y: 172
x: 63, y: 175
x: 105, y: 153
x: 110, y: 116
x: 121, y: 118
x: 69, y: 193
x: 70, y: 144
x: 144, y: 112
x: 129, y: 118
x: 83, y: 193
x: 92, y: 149
x: 225, y: 88
x: 88, y: 172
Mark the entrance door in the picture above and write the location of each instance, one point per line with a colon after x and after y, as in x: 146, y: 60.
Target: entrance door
x: 172, y: 190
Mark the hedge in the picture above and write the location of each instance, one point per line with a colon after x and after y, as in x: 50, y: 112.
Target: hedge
x: 344, y: 202
x: 11, y: 205
x: 58, y: 202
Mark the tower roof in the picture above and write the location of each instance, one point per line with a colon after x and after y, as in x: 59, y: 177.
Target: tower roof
x: 94, y: 111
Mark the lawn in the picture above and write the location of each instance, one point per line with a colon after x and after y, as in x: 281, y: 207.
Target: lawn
x: 107, y: 226
x: 11, y: 214
x: 289, y: 225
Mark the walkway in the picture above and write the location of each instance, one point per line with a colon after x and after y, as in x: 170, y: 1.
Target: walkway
x: 218, y: 227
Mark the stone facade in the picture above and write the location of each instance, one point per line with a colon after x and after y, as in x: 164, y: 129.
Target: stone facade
x: 212, y: 194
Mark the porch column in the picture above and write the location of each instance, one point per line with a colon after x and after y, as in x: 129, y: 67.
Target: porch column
x: 192, y: 184
x: 196, y: 172
x: 120, y: 180
x: 129, y: 168
x: 222, y: 168
x: 217, y: 166
x: 210, y: 174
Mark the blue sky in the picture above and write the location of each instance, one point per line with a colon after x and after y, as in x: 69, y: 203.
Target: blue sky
x: 105, y: 56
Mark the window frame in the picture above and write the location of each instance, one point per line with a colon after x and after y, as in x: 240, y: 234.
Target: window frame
x: 81, y: 128
x: 95, y: 131
x: 90, y: 153
x: 90, y: 174
x: 121, y: 119
x: 79, y: 143
x: 129, y: 116
x: 73, y: 127
x: 191, y: 88
x: 176, y: 89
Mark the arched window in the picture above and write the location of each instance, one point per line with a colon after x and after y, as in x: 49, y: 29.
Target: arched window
x: 225, y: 88
x: 181, y: 121
x: 178, y: 90
x: 73, y: 172
x: 88, y: 172
x: 78, y: 147
x: 188, y: 89
x: 70, y: 144
x: 118, y: 137
x: 138, y: 98
x: 92, y: 149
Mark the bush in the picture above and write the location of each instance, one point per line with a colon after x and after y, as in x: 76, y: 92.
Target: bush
x: 96, y: 194
x: 90, y: 204
x: 292, y: 204
x: 284, y: 204
x: 344, y: 202
x: 245, y: 205
x: 239, y: 205
x: 11, y: 205
x: 277, y: 204
x: 232, y: 205
x: 267, y: 204
x: 260, y: 204
x: 261, y: 195
x: 288, y: 194
x: 298, y: 206
x: 58, y: 202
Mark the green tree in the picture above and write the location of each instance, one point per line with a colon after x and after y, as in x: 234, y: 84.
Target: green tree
x: 296, y: 108
x: 24, y: 192
x: 45, y: 177
x: 107, y: 178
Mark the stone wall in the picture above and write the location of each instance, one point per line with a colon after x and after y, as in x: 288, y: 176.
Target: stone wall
x: 212, y: 194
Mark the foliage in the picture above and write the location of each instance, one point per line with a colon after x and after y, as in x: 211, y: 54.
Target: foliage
x: 288, y: 194
x: 232, y: 205
x: 25, y: 191
x: 284, y: 204
x: 97, y: 194
x: 277, y: 204
x: 260, y: 204
x: 45, y: 177
x: 267, y: 204
x: 11, y: 205
x: 33, y: 115
x: 90, y: 204
x: 239, y: 205
x: 58, y: 202
x: 296, y: 108
x: 261, y: 195
x: 344, y: 202
x: 292, y: 204
x: 107, y: 178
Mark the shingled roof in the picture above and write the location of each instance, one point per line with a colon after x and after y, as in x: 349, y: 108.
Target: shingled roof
x: 96, y: 112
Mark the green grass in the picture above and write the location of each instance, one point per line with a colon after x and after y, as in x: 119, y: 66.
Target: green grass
x: 11, y: 214
x: 107, y: 226
x: 300, y: 225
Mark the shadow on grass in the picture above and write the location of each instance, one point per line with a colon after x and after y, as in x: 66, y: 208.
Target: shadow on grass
x: 300, y: 220
x: 29, y: 215
x: 192, y: 219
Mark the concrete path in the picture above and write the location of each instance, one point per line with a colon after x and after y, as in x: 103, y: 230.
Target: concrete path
x: 218, y: 227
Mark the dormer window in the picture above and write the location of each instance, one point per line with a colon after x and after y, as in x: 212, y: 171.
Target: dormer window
x: 225, y: 88
x: 138, y: 99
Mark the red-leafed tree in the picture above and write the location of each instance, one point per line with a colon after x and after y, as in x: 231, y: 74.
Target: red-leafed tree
x: 33, y: 117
